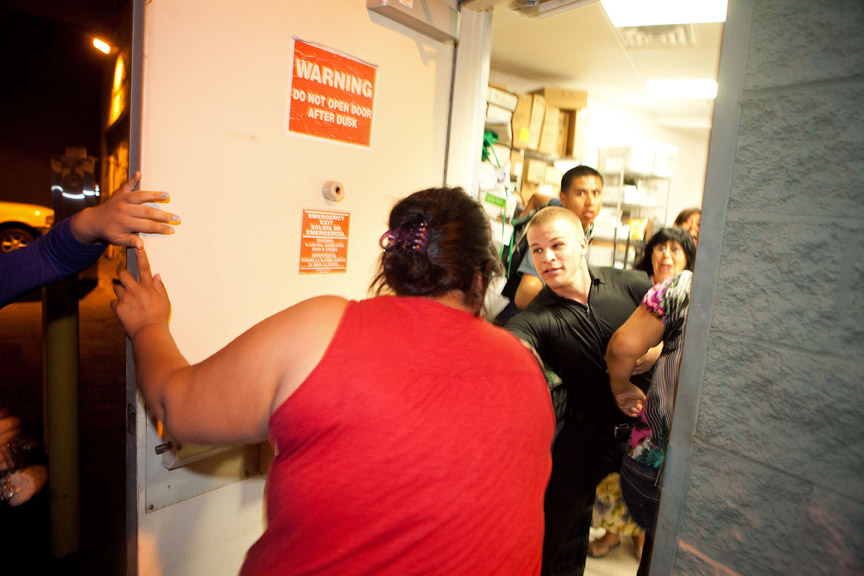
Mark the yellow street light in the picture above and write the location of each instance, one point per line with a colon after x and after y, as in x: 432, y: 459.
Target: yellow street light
x: 101, y: 46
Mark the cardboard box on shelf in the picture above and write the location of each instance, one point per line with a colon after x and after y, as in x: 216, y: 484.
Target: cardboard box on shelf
x: 528, y: 121
x: 517, y: 159
x: 567, y: 99
x: 549, y: 133
x: 563, y: 131
x: 546, y: 191
x: 576, y: 142
x: 498, y: 114
x: 553, y: 176
x: 502, y: 98
x: 534, y: 171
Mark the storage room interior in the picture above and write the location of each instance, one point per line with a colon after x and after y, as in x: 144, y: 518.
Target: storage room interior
x: 594, y: 108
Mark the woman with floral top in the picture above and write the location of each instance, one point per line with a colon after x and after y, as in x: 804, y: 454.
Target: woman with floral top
x: 661, y: 317
x: 668, y: 252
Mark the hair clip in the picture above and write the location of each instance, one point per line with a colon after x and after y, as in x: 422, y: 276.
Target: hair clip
x: 413, y: 236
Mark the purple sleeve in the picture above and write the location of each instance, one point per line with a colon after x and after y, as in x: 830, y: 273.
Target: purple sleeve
x: 47, y: 259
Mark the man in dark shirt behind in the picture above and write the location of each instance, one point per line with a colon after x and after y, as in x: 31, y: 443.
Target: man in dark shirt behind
x: 569, y: 325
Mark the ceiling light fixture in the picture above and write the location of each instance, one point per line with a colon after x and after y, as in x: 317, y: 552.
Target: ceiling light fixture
x: 553, y: 7
x: 682, y: 89
x: 535, y: 9
x: 624, y: 13
x: 101, y: 46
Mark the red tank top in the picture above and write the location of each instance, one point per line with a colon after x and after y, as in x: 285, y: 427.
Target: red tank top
x: 420, y: 444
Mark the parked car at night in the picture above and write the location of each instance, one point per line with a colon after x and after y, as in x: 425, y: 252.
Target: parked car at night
x: 21, y: 223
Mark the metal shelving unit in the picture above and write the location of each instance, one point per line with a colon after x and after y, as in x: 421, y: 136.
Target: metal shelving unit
x: 635, y: 199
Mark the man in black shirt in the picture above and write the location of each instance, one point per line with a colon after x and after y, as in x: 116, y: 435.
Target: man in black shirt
x: 569, y: 325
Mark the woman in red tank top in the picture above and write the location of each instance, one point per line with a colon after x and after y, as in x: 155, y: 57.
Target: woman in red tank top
x: 411, y: 436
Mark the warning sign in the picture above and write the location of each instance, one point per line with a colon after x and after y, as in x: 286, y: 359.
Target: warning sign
x: 324, y: 244
x: 332, y: 95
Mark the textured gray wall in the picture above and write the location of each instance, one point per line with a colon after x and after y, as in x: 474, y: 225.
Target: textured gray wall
x: 776, y: 460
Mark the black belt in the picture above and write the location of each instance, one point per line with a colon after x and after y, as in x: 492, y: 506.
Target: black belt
x: 619, y: 431
x: 622, y: 431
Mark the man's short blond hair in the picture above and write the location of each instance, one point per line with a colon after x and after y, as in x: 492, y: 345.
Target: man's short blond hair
x: 554, y: 214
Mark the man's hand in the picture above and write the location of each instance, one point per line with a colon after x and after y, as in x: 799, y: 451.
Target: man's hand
x: 141, y: 303
x: 123, y: 216
x: 630, y: 401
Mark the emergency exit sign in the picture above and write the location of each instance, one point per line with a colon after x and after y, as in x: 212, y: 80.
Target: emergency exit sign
x: 324, y: 242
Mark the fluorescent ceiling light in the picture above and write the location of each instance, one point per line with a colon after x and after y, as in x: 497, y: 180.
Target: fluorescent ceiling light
x: 682, y: 89
x: 625, y: 13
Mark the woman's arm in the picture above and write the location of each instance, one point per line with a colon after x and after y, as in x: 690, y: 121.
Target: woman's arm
x: 77, y: 242
x: 47, y: 259
x: 228, y: 397
x: 529, y: 287
x: 630, y: 342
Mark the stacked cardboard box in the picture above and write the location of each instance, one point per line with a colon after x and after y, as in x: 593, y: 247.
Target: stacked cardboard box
x: 528, y: 121
x: 549, y: 133
x: 553, y: 122
x: 569, y: 110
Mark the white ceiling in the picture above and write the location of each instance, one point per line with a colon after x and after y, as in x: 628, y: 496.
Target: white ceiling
x: 580, y: 49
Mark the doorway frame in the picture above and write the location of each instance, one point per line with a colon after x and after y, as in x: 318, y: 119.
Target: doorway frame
x: 718, y: 184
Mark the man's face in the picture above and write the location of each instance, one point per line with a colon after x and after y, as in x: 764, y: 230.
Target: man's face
x: 583, y: 198
x: 557, y: 251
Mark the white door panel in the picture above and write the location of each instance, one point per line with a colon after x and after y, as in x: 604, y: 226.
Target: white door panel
x: 216, y: 87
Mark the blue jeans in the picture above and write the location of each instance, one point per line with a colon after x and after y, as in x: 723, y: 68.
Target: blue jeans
x: 642, y: 496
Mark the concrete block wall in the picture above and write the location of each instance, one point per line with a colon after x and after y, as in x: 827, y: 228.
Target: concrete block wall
x: 776, y: 477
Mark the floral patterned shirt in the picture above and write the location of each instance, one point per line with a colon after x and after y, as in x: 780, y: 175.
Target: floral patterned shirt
x: 670, y: 302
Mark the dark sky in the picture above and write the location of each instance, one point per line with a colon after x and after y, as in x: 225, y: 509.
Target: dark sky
x: 53, y: 91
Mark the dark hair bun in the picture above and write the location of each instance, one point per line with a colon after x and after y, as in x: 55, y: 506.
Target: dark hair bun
x: 454, y: 247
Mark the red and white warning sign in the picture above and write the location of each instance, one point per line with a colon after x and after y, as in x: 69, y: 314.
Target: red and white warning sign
x: 332, y: 95
x: 324, y: 242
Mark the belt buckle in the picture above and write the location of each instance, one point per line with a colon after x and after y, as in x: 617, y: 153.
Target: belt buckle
x: 622, y: 430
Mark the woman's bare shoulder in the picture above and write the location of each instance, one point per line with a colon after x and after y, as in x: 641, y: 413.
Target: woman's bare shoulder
x: 304, y: 330
x: 322, y: 308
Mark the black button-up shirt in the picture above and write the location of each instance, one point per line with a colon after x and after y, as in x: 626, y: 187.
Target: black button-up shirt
x: 571, y: 338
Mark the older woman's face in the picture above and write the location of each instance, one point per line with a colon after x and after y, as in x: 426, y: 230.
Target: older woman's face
x: 667, y: 259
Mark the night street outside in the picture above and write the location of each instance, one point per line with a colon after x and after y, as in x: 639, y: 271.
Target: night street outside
x: 102, y: 420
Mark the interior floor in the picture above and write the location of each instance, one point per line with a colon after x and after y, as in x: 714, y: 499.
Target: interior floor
x: 619, y: 562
